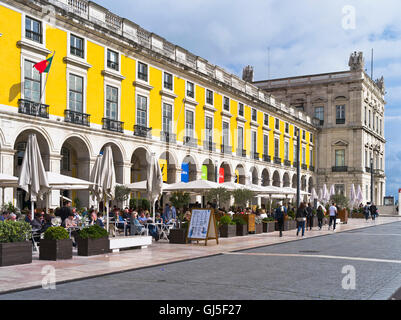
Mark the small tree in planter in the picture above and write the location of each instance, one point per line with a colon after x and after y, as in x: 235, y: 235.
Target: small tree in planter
x: 242, y: 196
x: 242, y: 227
x: 268, y: 224
x: 227, y: 227
x: 220, y: 195
x: 56, y: 244
x: 258, y: 225
x: 93, y: 240
x: 14, y: 247
x: 180, y: 199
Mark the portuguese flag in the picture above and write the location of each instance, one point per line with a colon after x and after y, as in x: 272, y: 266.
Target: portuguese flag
x: 44, y: 66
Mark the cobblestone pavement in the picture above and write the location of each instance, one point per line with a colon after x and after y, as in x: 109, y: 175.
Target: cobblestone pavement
x: 311, y: 268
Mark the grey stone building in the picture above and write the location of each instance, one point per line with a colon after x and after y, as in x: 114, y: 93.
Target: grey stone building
x: 348, y: 108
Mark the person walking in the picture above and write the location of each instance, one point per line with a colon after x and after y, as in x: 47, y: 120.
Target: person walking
x: 320, y: 216
x: 366, y: 211
x: 333, y: 216
x: 279, y: 216
x: 309, y: 216
x: 301, y: 218
x: 373, y: 211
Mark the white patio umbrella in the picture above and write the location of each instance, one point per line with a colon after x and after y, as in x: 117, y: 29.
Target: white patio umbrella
x: 33, y: 178
x: 197, y: 186
x: 314, y: 195
x: 7, y: 181
x: 95, y: 178
x: 359, y: 196
x: 108, y: 179
x: 154, y: 185
x: 320, y: 194
x: 352, y: 198
x: 332, y: 191
x: 326, y: 195
x: 140, y: 186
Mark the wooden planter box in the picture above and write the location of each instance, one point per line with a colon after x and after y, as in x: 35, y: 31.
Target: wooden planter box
x: 91, y: 247
x: 178, y: 236
x: 285, y: 226
x: 258, y: 228
x: 15, y: 253
x: 242, y: 230
x: 228, y: 231
x: 55, y: 249
x: 250, y: 220
x: 269, y: 226
x: 291, y: 224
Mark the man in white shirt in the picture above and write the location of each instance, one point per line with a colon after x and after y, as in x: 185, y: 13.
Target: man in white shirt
x: 333, y: 215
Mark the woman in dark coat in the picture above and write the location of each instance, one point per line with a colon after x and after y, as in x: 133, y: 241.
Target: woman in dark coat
x: 301, y: 218
x: 320, y: 216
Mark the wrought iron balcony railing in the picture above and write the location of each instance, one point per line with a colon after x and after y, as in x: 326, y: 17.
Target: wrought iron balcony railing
x: 255, y: 155
x: 190, y: 142
x: 277, y: 160
x: 304, y: 167
x: 312, y: 168
x: 241, y: 153
x: 287, y: 163
x: 267, y: 158
x: 141, y: 131
x: 77, y: 117
x: 226, y: 149
x: 209, y: 146
x: 33, y: 108
x: 113, y: 125
x: 339, y: 169
x: 168, y: 137
x: 367, y: 169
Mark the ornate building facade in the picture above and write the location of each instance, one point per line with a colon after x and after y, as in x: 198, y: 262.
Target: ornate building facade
x: 113, y: 83
x: 348, y: 110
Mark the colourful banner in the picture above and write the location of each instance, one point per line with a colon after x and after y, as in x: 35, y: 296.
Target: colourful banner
x: 204, y: 172
x: 221, y: 175
x: 163, y: 168
x: 236, y: 176
x: 185, y: 172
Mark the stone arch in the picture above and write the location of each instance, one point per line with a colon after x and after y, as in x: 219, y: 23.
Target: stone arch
x: 286, y: 180
x: 140, y: 160
x: 265, y: 178
x: 303, y: 183
x: 254, y: 175
x: 294, y: 181
x: 310, y: 184
x: 37, y: 130
x: 240, y: 174
x: 211, y: 169
x: 276, y: 179
x: 193, y: 167
x: 170, y: 168
x: 227, y: 171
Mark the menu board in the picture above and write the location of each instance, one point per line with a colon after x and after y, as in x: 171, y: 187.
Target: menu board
x: 202, y: 225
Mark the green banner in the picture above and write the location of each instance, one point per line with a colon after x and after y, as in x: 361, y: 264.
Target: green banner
x: 204, y: 172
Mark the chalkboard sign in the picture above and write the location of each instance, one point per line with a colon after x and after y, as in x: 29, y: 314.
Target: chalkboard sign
x: 202, y: 226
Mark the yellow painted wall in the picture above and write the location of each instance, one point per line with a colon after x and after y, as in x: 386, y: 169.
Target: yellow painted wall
x: 10, y: 57
x: 155, y: 103
x: 128, y: 103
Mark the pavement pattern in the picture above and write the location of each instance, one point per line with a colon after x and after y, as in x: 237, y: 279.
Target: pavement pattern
x: 310, y: 268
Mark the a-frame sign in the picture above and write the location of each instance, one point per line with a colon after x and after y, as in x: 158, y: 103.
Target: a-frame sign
x: 202, y: 226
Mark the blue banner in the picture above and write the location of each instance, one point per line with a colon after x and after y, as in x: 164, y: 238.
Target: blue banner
x: 185, y: 172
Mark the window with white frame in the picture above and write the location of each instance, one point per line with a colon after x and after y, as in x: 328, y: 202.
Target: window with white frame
x: 113, y: 60
x: 226, y: 104
x: 226, y: 133
x: 286, y: 150
x: 303, y: 155
x: 254, y: 142
x: 311, y: 157
x: 111, y: 103
x: 189, y: 123
x: 240, y: 109
x: 65, y: 159
x: 168, y: 81
x: 142, y: 111
x: 32, y: 82
x: 265, y: 144
x: 340, y: 158
x: 266, y: 119
x: 33, y: 29
x: 277, y: 124
x: 319, y: 113
x: 240, y: 138
x: 167, y: 122
x: 254, y: 115
x: 276, y: 148
x: 287, y: 128
x: 209, y: 129
x: 340, y: 114
x: 190, y: 90
x: 295, y: 152
x: 142, y: 71
x: 77, y: 46
x: 76, y: 94
x: 209, y: 96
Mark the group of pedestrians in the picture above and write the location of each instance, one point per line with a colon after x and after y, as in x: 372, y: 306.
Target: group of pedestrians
x: 371, y: 210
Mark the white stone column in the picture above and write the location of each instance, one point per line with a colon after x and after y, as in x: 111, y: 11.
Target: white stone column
x: 54, y: 166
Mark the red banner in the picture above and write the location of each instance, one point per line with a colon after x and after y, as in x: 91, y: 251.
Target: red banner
x: 221, y: 175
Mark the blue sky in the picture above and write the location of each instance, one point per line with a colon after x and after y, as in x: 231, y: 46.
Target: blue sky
x: 305, y: 37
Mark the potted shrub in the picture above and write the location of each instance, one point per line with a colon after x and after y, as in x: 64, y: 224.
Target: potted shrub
x: 93, y: 240
x: 291, y: 224
x: 227, y: 227
x: 56, y: 244
x: 14, y: 245
x: 179, y: 236
x: 268, y: 224
x: 258, y: 225
x: 242, y: 227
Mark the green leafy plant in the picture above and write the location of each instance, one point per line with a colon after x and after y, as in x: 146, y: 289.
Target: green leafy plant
x: 9, y: 207
x: 76, y: 202
x: 121, y: 193
x: 239, y: 221
x: 219, y: 195
x: 340, y: 200
x: 258, y: 220
x: 226, y: 220
x: 93, y: 232
x: 180, y: 199
x: 269, y: 219
x: 14, y: 231
x: 56, y: 233
x: 242, y: 196
x: 291, y: 215
x: 143, y: 203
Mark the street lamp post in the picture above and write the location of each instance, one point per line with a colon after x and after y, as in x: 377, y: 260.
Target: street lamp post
x: 371, y: 180
x: 298, y: 168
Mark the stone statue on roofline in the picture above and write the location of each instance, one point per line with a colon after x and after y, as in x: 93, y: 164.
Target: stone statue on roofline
x: 247, y: 74
x: 356, y: 61
x: 380, y: 84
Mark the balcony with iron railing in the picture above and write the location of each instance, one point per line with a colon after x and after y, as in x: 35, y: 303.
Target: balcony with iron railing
x: 33, y: 108
x: 339, y: 169
x: 142, y: 131
x: 190, y: 141
x: 113, y: 125
x: 287, y: 163
x: 267, y: 158
x: 304, y: 166
x: 77, y: 117
x: 168, y: 137
x: 241, y: 153
x: 209, y: 146
x: 226, y: 149
x: 367, y: 169
x: 340, y: 121
x: 312, y: 168
x: 277, y: 160
x: 255, y: 155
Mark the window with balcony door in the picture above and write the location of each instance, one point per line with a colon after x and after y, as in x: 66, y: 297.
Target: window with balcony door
x: 340, y: 158
x: 76, y: 93
x: 226, y: 104
x: 168, y: 81
x: 142, y: 111
x: 209, y: 129
x: 190, y: 90
x: 143, y: 71
x: 189, y: 123
x: 167, y: 118
x: 111, y: 103
x: 77, y: 46
x: 340, y: 114
x: 32, y: 82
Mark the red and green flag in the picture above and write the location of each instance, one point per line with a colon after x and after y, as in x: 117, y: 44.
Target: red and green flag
x: 44, y: 66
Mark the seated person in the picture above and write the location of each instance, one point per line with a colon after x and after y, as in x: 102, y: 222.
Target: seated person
x: 158, y: 218
x: 126, y: 213
x: 142, y: 218
x: 4, y: 216
x: 48, y: 223
x: 70, y: 222
x: 28, y: 217
x: 94, y: 219
x: 12, y: 217
x: 136, y: 226
x: 37, y: 222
